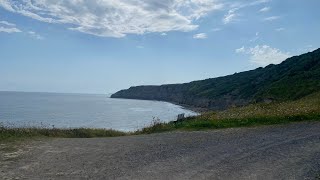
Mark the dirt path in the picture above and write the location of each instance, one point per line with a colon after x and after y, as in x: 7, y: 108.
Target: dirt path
x: 270, y: 152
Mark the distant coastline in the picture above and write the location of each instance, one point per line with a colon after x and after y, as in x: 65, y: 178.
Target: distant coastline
x: 293, y: 79
x: 70, y: 110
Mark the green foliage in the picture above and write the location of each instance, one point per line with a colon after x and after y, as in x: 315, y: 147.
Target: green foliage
x: 14, y: 133
x: 305, y: 109
x: 156, y: 127
x: 201, y: 124
x: 292, y: 79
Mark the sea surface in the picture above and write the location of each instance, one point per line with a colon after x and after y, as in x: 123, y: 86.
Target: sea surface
x: 20, y: 109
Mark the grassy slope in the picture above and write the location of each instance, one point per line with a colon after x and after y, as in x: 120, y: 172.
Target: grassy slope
x: 305, y: 109
x: 21, y: 133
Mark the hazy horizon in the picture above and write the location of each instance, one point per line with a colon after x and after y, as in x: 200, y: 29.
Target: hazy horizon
x: 100, y: 47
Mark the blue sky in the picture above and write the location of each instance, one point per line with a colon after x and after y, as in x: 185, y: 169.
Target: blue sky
x: 101, y: 46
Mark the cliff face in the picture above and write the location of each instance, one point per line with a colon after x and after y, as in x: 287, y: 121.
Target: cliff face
x: 292, y: 79
x: 179, y: 94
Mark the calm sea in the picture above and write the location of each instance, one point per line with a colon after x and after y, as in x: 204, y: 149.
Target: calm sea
x: 82, y: 110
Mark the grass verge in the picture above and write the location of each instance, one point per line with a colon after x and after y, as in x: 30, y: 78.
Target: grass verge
x: 305, y: 109
x: 21, y: 133
x: 203, y: 123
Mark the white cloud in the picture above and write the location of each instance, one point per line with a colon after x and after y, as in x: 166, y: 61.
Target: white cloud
x: 280, y: 29
x: 116, y: 18
x: 7, y: 23
x: 257, y: 2
x: 265, y: 9
x: 263, y: 55
x: 8, y: 27
x: 216, y: 29
x: 307, y: 48
x: 245, y: 4
x: 271, y: 18
x: 163, y: 34
x: 35, y: 35
x: 9, y: 30
x: 233, y: 14
x: 241, y: 50
x: 200, y: 36
x: 256, y: 37
x: 311, y: 48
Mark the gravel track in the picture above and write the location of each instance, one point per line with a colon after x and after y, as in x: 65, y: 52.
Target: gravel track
x: 270, y: 152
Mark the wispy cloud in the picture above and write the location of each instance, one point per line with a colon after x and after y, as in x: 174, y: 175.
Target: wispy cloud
x: 9, y: 30
x: 257, y: 2
x: 7, y: 23
x: 311, y: 48
x: 263, y: 55
x: 233, y: 14
x: 307, y: 48
x: 241, y: 50
x: 35, y: 35
x: 280, y: 29
x: 216, y: 29
x: 200, y: 36
x: 230, y: 16
x: 248, y: 3
x: 163, y: 34
x: 256, y: 37
x: 117, y: 18
x: 271, y: 18
x: 265, y: 9
x: 8, y: 27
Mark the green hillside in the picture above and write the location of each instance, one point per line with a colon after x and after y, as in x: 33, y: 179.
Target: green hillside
x: 304, y: 109
x: 294, y: 78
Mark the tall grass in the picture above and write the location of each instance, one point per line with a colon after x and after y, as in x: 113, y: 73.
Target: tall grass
x: 306, y: 106
x: 13, y: 133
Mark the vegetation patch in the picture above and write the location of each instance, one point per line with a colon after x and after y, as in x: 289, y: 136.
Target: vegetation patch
x: 7, y: 133
x: 305, y: 109
x: 293, y: 79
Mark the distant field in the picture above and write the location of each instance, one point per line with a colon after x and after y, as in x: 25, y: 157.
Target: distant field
x: 305, y: 109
